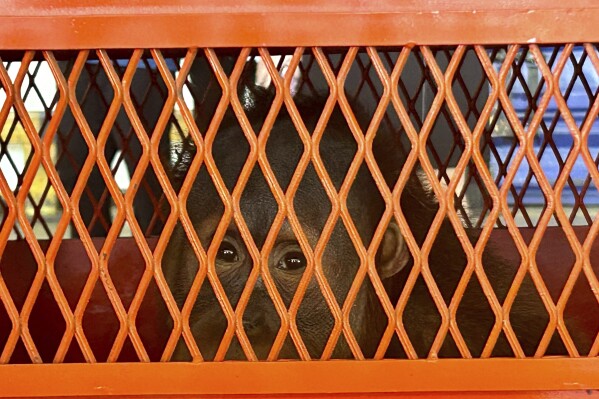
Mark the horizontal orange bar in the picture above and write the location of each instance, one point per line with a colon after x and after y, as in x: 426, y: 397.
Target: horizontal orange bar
x: 555, y: 374
x: 139, y: 27
x: 113, y: 7
x: 587, y: 394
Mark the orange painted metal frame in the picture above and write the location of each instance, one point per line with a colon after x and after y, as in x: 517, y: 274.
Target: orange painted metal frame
x: 309, y: 378
x: 77, y: 25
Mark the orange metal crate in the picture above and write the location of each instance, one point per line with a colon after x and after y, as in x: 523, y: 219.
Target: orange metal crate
x: 273, y: 27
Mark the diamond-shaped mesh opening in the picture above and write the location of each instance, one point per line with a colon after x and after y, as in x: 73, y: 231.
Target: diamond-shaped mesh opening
x: 100, y: 323
x: 284, y: 149
x: 580, y: 197
x: 43, y: 208
x: 72, y: 271
x: 501, y: 143
x: 16, y: 151
x: 419, y: 99
x: 287, y: 263
x: 442, y: 150
x: 311, y: 84
x: 547, y: 157
x: 95, y: 205
x: 525, y: 85
x: 367, y: 92
x: 395, y: 283
x: 204, y: 205
x: 340, y: 262
x: 442, y: 57
x: 475, y: 317
x: 39, y: 95
x: 470, y: 87
x: 259, y: 219
x: 149, y: 206
x: 581, y: 315
x: 370, y: 322
x: 420, y: 93
x: 153, y: 334
x: 421, y: 318
x: 579, y: 84
x: 528, y: 328
x: 126, y: 281
x: 261, y: 321
x: 337, y: 147
x: 233, y: 271
x: 202, y: 92
x: 18, y: 270
x: 181, y: 156
x: 473, y: 200
x: 418, y: 204
x: 554, y: 245
x: 94, y: 94
x: 388, y: 58
x: 552, y: 145
x: 40, y: 100
x: 445, y: 146
x: 201, y: 95
x: 148, y: 91
x: 180, y: 253
x: 446, y: 242
x: 208, y: 322
x: 256, y: 90
x: 307, y: 325
x: 527, y: 198
x: 230, y: 163
x: 312, y: 205
x: 365, y: 204
x: 414, y: 88
x: 311, y: 77
x: 335, y: 59
x: 391, y: 146
x: 46, y: 323
x: 501, y: 261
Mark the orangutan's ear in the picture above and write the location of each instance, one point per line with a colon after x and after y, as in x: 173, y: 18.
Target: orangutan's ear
x: 393, y: 253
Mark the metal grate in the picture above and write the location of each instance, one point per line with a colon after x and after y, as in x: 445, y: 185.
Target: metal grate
x: 473, y: 125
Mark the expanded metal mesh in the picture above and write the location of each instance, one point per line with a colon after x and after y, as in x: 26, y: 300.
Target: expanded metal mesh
x: 497, y: 134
